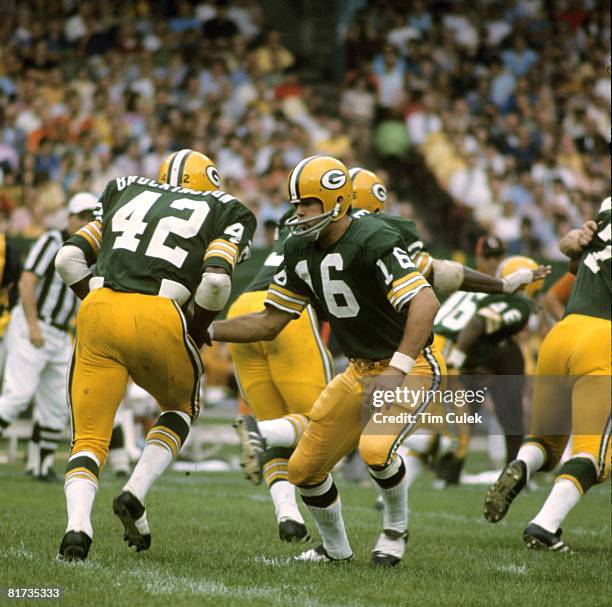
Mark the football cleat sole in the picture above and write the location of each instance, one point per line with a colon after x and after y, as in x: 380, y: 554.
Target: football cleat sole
x: 501, y: 494
x: 293, y: 531
x: 252, y: 448
x: 538, y: 538
x: 128, y: 510
x: 74, y: 547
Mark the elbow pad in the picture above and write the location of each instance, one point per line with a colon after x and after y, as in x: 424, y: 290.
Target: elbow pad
x: 213, y: 291
x: 448, y: 275
x: 71, y: 264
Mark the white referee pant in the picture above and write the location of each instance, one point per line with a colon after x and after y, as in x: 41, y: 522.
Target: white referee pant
x: 38, y: 373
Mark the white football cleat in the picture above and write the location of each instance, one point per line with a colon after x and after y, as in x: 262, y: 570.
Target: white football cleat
x: 319, y: 555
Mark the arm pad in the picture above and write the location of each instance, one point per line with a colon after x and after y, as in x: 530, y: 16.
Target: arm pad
x: 71, y: 265
x: 448, y: 275
x: 213, y: 291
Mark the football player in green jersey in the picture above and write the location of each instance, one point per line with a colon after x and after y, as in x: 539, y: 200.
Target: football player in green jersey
x: 447, y: 277
x: 381, y: 310
x: 156, y: 245
x: 571, y: 393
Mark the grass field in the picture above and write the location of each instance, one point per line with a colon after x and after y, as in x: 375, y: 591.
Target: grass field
x: 215, y: 543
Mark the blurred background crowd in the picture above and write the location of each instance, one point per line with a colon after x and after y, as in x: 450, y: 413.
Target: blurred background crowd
x: 482, y: 117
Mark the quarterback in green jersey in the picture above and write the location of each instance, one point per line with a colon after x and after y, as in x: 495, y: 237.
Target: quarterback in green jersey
x: 381, y: 310
x: 154, y: 247
x: 571, y: 393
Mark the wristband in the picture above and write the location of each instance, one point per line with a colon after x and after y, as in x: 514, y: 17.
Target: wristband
x: 456, y: 358
x: 401, y: 362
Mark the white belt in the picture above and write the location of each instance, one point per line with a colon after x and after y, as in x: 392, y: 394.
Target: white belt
x: 169, y: 289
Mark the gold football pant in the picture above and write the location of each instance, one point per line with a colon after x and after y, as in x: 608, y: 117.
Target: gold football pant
x: 336, y: 426
x: 285, y: 375
x: 121, y: 334
x: 572, y: 396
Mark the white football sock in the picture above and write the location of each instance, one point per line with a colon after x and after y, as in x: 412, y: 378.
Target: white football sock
x: 80, y: 496
x: 33, y: 461
x: 151, y: 465
x: 330, y: 524
x: 562, y: 498
x: 421, y: 441
x: 414, y: 467
x: 118, y: 460
x: 283, y: 498
x: 278, y: 432
x: 395, y: 499
x: 533, y: 456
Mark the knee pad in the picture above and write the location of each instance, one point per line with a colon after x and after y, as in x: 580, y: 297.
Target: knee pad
x: 376, y: 450
x: 299, y: 472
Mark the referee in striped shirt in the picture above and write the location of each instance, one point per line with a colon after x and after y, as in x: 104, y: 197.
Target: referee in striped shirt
x: 39, y: 345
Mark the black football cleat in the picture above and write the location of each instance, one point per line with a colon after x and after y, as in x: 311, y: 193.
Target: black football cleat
x: 293, y: 531
x: 252, y: 445
x: 390, y: 548
x: 50, y: 476
x: 502, y: 493
x: 448, y: 469
x: 129, y: 511
x: 538, y: 538
x: 74, y: 547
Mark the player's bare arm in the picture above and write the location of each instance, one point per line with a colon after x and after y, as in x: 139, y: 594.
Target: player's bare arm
x: 261, y: 326
x: 449, y: 276
x: 27, y: 292
x: 575, y: 241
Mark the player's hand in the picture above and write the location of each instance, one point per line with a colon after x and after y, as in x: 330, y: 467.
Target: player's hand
x: 389, y: 379
x: 586, y: 233
x: 519, y: 278
x: 36, y: 336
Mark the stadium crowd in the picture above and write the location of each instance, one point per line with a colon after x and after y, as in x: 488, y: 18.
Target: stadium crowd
x: 508, y: 103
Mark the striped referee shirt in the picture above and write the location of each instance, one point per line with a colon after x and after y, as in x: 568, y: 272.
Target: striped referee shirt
x: 55, y: 302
